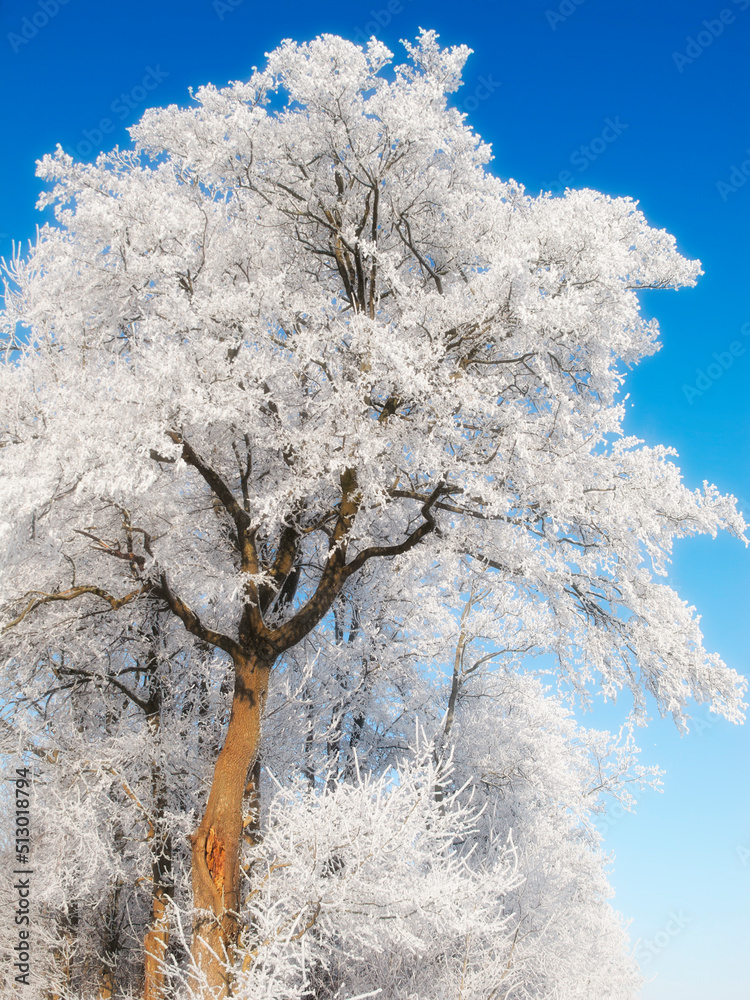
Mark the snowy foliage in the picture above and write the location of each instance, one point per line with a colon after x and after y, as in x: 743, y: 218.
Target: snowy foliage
x: 341, y: 287
x: 496, y: 883
x: 283, y: 384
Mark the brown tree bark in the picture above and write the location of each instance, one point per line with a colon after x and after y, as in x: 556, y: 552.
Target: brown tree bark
x: 156, y: 943
x: 107, y: 984
x: 111, y: 945
x: 63, y: 955
x: 156, y: 940
x: 216, y: 844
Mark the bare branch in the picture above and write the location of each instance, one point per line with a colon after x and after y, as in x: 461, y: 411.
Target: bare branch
x: 70, y: 595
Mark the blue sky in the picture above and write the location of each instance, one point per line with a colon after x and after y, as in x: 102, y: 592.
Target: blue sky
x: 626, y: 96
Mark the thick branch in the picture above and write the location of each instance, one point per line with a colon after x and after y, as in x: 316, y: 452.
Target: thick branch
x: 333, y: 576
x: 240, y: 517
x: 192, y: 622
x: 337, y: 571
x: 283, y: 567
x: 252, y: 617
x: 413, y: 539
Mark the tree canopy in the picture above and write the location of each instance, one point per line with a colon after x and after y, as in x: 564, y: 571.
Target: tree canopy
x: 287, y: 386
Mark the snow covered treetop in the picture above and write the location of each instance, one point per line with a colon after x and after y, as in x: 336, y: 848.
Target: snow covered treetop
x: 306, y: 300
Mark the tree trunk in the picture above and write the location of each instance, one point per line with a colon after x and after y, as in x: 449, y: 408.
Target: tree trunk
x: 111, y: 949
x: 156, y: 940
x: 217, y: 842
x: 63, y: 954
x: 107, y: 984
x: 156, y: 943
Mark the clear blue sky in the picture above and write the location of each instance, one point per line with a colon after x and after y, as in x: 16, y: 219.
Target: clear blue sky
x: 544, y: 79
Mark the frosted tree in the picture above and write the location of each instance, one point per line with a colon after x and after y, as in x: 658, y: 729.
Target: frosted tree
x: 473, y: 871
x: 299, y: 339
x: 528, y: 782
x: 118, y: 737
x: 494, y: 886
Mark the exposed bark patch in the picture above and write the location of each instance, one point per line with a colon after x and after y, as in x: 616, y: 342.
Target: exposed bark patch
x: 215, y: 855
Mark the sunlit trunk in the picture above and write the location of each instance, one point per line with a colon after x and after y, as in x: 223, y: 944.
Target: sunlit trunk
x: 63, y: 955
x: 156, y: 940
x: 107, y: 984
x: 216, y: 844
x: 111, y: 949
x: 156, y: 943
